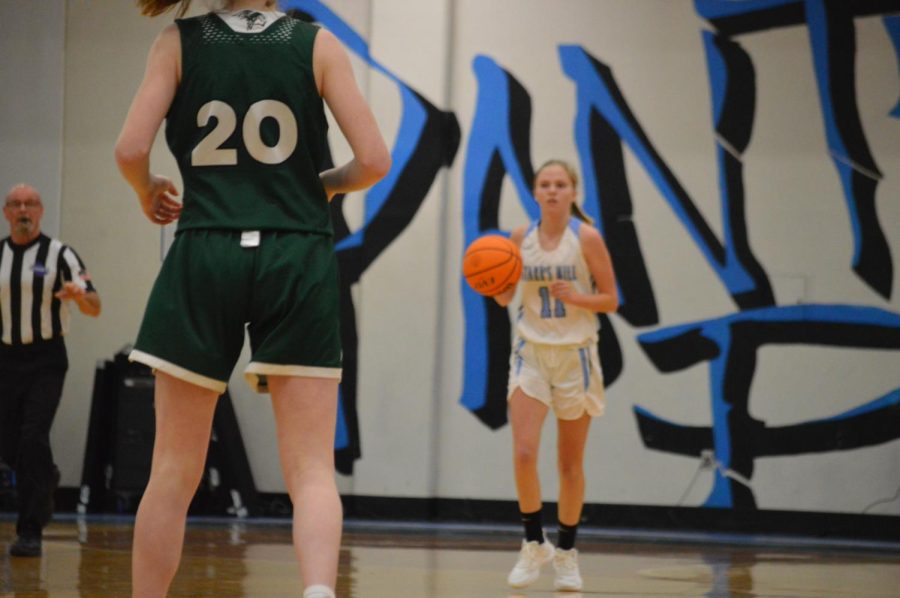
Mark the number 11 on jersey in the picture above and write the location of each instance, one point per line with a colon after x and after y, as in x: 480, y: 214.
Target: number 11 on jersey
x: 559, y: 308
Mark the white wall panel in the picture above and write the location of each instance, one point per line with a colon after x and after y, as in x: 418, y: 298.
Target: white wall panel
x: 417, y: 439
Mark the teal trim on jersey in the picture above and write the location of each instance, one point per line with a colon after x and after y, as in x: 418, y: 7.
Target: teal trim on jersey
x: 247, y: 128
x: 585, y: 367
x: 575, y: 225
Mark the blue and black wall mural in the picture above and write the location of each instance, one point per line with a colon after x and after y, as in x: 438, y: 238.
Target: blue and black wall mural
x: 427, y: 140
x: 832, y: 36
x: 499, y: 144
x: 730, y: 345
x: 498, y: 148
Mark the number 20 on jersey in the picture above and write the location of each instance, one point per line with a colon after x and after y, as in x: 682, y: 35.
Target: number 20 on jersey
x: 209, y: 152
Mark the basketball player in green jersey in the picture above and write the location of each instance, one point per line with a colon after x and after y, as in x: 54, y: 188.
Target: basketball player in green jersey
x: 242, y: 90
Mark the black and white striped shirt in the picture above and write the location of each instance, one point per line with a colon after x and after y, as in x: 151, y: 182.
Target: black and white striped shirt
x: 30, y: 275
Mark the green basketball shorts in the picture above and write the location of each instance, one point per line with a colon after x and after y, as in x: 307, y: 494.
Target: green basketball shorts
x: 281, y: 286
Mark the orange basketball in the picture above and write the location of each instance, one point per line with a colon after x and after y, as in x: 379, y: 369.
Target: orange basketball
x: 491, y: 264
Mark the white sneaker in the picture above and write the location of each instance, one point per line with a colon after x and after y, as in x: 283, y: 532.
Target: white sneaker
x: 318, y: 591
x: 567, y: 575
x: 528, y: 567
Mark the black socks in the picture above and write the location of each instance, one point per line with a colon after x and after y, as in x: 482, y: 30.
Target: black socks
x: 534, y: 530
x: 566, y: 540
x: 534, y: 526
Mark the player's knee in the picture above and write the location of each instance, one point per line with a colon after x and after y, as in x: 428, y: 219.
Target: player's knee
x: 176, y: 477
x: 525, y: 455
x: 315, y: 472
x: 570, y: 471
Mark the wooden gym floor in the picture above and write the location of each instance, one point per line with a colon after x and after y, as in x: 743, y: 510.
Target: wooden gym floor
x: 89, y: 557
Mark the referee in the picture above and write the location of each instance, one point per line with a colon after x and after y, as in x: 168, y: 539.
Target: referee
x: 38, y: 276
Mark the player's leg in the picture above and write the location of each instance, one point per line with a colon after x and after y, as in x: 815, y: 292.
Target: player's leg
x: 527, y: 416
x: 571, y: 440
x: 572, y: 437
x: 184, y: 414
x: 191, y: 334
x: 305, y: 416
x: 578, y: 396
x: 295, y: 338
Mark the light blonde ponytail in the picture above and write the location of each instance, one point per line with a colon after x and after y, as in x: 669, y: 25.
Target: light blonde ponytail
x: 152, y: 8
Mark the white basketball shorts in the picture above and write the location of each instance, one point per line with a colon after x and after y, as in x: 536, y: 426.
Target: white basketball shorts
x: 566, y: 378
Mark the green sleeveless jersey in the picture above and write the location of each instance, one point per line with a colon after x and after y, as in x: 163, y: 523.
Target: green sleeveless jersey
x: 247, y: 127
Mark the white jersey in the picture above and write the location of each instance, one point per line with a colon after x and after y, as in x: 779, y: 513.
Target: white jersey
x: 542, y: 318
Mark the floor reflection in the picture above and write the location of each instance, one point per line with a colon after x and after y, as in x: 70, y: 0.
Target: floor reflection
x: 225, y: 558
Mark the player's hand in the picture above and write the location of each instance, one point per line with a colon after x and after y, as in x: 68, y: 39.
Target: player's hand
x: 505, y: 296
x: 507, y: 289
x: 70, y: 290
x: 562, y: 290
x: 158, y: 202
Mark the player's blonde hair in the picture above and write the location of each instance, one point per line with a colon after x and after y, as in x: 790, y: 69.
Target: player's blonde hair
x: 573, y: 176
x: 152, y: 8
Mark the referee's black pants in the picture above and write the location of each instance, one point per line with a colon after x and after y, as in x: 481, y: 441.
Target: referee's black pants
x: 31, y: 383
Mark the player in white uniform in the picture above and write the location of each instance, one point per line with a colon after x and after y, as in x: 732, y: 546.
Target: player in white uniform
x: 567, y: 278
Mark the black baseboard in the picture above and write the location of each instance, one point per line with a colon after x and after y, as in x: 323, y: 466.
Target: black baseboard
x: 885, y: 528
x: 639, y: 517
